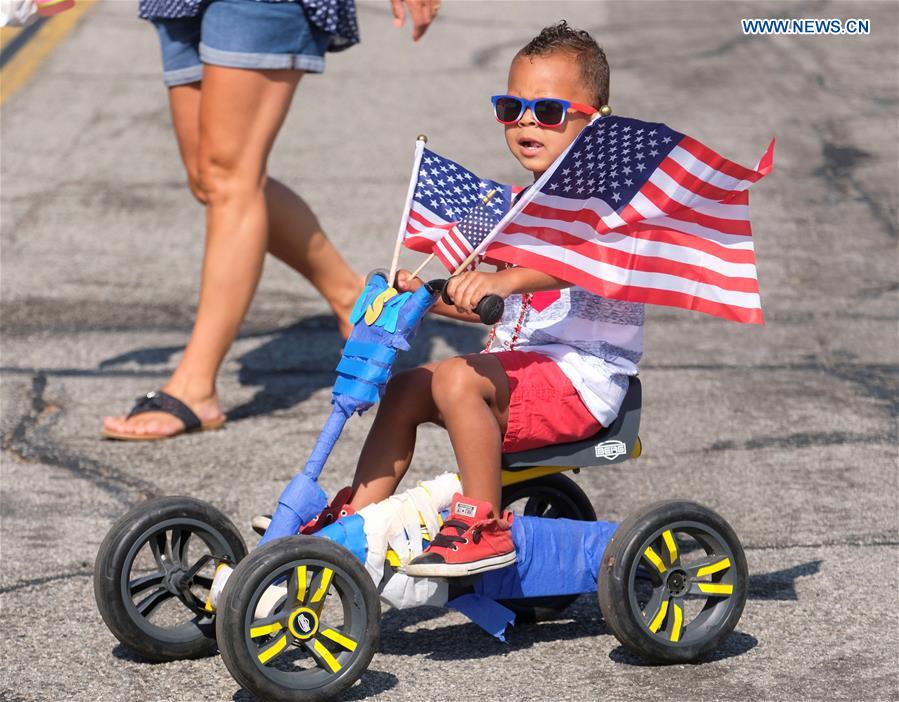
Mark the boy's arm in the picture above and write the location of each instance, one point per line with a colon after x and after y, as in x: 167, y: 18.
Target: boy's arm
x: 406, y: 283
x: 467, y: 289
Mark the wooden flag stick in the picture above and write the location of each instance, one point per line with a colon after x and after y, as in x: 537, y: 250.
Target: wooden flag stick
x: 421, y: 267
x: 420, y: 142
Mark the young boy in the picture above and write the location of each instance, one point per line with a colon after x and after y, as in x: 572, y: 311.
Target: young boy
x: 556, y: 365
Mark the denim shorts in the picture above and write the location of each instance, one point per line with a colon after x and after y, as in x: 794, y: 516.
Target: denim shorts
x: 240, y: 34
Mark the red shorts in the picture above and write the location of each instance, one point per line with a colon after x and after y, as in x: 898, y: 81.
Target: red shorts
x: 544, y: 407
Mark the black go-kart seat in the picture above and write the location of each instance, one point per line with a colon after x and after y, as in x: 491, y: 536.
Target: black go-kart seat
x: 612, y: 444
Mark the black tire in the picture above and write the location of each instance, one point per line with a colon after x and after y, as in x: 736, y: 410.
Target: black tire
x: 312, y: 658
x: 673, y: 606
x: 555, y: 497
x: 160, y: 614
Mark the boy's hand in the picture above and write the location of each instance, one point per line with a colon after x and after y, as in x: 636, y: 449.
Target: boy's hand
x: 467, y: 289
x: 405, y: 282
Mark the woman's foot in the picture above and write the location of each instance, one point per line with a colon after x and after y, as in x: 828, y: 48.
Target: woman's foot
x: 172, y: 417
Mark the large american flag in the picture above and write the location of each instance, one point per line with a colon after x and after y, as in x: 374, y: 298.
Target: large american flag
x: 444, y: 194
x: 637, y: 211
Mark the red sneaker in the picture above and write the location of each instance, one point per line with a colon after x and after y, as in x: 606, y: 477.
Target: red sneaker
x: 471, y: 541
x: 334, y: 511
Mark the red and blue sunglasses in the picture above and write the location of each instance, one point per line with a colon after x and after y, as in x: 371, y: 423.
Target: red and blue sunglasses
x: 548, y: 112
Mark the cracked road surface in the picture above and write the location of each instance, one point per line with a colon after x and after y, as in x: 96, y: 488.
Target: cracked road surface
x: 788, y: 430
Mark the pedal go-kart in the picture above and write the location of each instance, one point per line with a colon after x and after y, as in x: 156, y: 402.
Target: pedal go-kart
x: 299, y: 617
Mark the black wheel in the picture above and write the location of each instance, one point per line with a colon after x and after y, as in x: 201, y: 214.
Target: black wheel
x: 554, y: 497
x: 299, y: 619
x: 673, y: 581
x: 153, y: 573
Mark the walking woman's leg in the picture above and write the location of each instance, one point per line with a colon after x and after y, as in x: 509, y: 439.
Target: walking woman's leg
x: 295, y: 235
x: 240, y: 112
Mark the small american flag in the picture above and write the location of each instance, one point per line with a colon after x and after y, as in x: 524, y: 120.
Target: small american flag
x: 639, y: 212
x: 456, y: 244
x: 444, y: 194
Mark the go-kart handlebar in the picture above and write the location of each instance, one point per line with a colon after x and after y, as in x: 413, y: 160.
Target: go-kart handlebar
x: 489, y: 309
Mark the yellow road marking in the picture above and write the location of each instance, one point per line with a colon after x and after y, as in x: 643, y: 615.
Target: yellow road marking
x: 326, y: 655
x: 20, y: 68
x: 713, y: 568
x: 339, y: 638
x: 653, y: 558
x: 273, y: 650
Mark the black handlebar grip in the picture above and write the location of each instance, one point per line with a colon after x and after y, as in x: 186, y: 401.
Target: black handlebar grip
x: 489, y: 309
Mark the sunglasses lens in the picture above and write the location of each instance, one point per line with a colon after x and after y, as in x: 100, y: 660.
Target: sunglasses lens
x: 507, y: 109
x: 549, y: 112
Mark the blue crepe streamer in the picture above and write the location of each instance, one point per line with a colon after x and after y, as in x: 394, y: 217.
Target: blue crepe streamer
x: 491, y: 616
x: 349, y: 532
x: 555, y: 557
x: 301, y: 500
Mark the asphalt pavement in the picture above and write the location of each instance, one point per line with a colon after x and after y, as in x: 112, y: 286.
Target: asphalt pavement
x: 788, y: 430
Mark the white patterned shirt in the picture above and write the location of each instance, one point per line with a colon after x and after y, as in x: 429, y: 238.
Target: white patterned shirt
x: 596, y: 342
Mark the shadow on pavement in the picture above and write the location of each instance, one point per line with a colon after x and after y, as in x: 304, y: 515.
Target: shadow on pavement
x: 299, y: 360
x: 372, y: 682
x: 580, y: 620
x: 736, y: 644
x: 781, y: 584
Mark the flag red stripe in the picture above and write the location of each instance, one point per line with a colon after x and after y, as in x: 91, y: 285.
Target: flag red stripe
x: 419, y: 243
x: 718, y: 162
x: 637, y: 262
x: 421, y: 219
x: 660, y: 199
x: 629, y: 293
x: 448, y: 263
x: 695, y: 185
x: 629, y: 214
x: 737, y: 227
x: 585, y: 215
x: 668, y: 235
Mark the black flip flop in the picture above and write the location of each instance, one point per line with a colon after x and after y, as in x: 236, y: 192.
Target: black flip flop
x: 159, y: 401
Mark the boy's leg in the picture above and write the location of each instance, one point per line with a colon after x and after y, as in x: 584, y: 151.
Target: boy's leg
x: 387, y: 452
x: 472, y: 396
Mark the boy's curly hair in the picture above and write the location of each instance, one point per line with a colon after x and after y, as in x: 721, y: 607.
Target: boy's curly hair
x: 590, y: 57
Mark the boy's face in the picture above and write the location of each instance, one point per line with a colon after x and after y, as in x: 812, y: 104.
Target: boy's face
x: 555, y: 75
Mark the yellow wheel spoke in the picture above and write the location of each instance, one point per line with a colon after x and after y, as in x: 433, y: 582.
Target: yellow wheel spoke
x: 653, y: 558
x: 264, y: 629
x: 325, y: 657
x: 339, y: 639
x: 273, y: 649
x: 712, y: 568
x: 717, y: 589
x: 677, y: 620
x: 659, y: 618
x: 323, y: 585
x: 668, y: 538
x: 301, y: 583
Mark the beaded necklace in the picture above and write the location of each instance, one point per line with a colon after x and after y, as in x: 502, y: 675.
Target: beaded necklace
x: 516, y: 332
